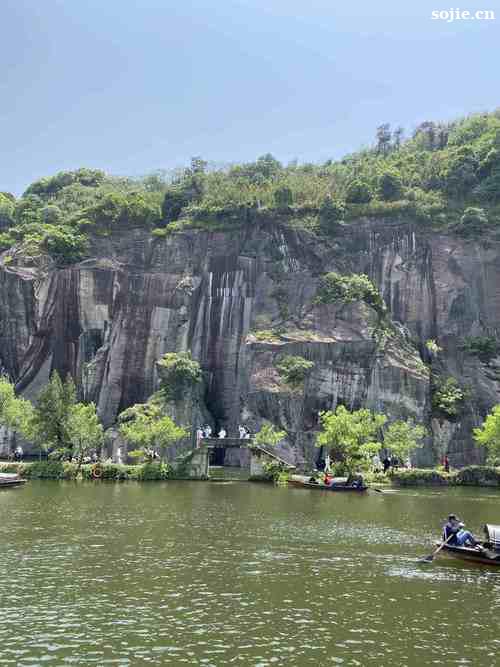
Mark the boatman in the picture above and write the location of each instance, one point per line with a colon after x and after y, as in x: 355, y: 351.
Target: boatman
x: 459, y: 536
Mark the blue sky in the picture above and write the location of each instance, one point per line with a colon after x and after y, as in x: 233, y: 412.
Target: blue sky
x: 134, y: 86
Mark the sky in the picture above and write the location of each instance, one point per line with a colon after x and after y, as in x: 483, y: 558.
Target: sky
x: 136, y: 86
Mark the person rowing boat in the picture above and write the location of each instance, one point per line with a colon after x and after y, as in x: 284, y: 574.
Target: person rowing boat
x: 454, y: 533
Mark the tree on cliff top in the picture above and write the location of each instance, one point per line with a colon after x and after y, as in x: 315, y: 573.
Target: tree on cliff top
x: 488, y: 435
x: 350, y: 437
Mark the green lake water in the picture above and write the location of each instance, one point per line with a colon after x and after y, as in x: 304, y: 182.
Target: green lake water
x: 208, y: 573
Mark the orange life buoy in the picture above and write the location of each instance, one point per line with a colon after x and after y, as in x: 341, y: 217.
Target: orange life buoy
x: 96, y: 472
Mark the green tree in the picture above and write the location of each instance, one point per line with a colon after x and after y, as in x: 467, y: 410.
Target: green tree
x: 397, y: 136
x: 174, y: 201
x: 15, y: 413
x: 84, y: 431
x: 144, y: 426
x: 294, y: 369
x: 179, y: 373
x: 358, y: 192
x: 331, y: 212
x: 484, y: 347
x: 447, y: 396
x: 283, y: 197
x: 350, y: 436
x: 488, y: 435
x: 7, y: 208
x: 402, y: 438
x: 268, y: 436
x: 334, y: 287
x: 49, y: 425
x: 390, y: 186
x: 473, y: 220
x: 384, y: 138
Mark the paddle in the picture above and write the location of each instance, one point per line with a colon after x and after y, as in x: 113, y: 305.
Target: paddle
x: 430, y: 557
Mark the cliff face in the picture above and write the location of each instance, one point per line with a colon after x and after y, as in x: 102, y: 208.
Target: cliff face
x: 109, y: 318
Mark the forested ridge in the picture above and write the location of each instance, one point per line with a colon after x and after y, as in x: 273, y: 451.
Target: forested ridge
x: 445, y: 175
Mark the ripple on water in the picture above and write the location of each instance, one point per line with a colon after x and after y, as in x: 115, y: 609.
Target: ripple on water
x: 235, y: 574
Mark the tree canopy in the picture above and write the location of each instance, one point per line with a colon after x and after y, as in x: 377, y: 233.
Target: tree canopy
x: 145, y: 426
x: 444, y: 174
x: 268, y: 435
x: 488, y: 435
x: 350, y: 436
x: 85, y: 431
x: 402, y: 438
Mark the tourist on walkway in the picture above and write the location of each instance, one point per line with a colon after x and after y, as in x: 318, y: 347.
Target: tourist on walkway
x: 222, y: 433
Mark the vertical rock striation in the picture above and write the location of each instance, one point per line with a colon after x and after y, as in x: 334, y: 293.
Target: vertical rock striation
x: 108, y: 319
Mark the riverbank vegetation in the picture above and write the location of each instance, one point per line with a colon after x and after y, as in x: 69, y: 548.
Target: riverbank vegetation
x: 96, y: 471
x: 444, y: 174
x: 467, y: 476
x: 65, y: 429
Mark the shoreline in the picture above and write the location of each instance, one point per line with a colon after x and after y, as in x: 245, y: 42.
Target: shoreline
x: 470, y: 476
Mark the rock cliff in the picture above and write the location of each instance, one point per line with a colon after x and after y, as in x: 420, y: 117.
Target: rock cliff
x: 238, y: 299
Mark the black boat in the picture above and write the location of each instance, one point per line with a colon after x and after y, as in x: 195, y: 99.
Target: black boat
x: 340, y: 486
x: 487, y: 554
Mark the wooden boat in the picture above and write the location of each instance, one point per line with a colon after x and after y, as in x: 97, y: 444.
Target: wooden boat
x: 489, y: 555
x: 340, y: 486
x: 10, y: 479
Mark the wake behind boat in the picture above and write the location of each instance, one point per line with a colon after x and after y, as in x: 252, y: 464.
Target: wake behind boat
x: 339, y: 484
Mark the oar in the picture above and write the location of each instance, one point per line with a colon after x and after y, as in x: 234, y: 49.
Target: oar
x: 430, y: 557
x: 372, y: 488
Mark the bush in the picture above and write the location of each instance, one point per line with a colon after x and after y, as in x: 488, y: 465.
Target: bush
x: 294, y: 369
x: 41, y: 469
x: 478, y: 476
x: 419, y: 477
x: 276, y: 471
x: 331, y: 212
x: 179, y: 373
x: 484, y: 347
x: 390, y: 187
x: 152, y: 472
x: 283, y: 197
x: 447, y: 397
x: 108, y: 471
x: 51, y: 185
x: 334, y: 288
x: 358, y: 192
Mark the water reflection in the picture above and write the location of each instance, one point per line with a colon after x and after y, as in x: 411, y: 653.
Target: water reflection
x: 201, y: 573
